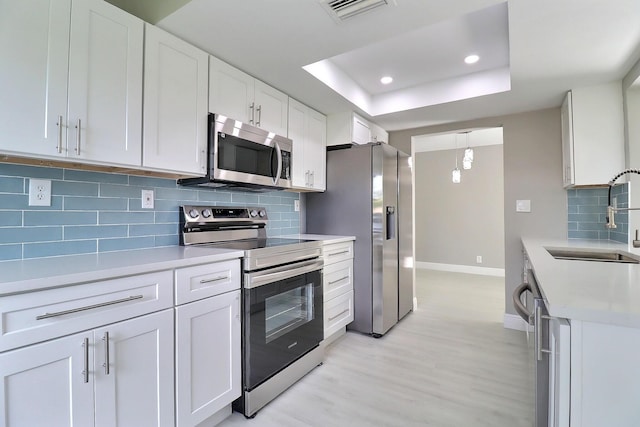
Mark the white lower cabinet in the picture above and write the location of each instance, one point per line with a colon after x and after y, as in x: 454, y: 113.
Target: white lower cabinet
x: 127, y: 378
x: 48, y: 377
x: 133, y: 372
x: 208, y: 346
x: 337, y: 288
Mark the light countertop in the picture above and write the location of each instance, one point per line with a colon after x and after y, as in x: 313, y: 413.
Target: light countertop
x: 44, y: 273
x: 602, y: 292
x: 325, y: 238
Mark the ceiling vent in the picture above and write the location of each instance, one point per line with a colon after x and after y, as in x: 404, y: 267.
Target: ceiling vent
x: 345, y: 9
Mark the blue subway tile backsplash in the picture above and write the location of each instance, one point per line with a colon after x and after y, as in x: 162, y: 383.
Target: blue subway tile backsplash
x: 99, y: 212
x: 587, y: 212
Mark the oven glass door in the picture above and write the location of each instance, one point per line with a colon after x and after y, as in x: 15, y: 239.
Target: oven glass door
x: 283, y: 321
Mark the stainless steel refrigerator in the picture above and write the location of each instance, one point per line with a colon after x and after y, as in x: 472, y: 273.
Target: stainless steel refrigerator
x: 369, y: 196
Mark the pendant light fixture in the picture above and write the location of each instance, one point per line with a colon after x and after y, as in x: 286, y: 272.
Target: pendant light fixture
x: 455, y: 174
x: 467, y: 160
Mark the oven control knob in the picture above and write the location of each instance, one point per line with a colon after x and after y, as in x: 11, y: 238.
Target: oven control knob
x: 262, y: 214
x: 253, y: 213
x: 206, y: 213
x: 193, y: 213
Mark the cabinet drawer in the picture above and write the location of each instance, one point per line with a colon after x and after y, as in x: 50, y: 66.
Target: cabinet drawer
x: 38, y: 316
x: 337, y: 279
x: 202, y: 281
x: 338, y: 313
x: 336, y: 252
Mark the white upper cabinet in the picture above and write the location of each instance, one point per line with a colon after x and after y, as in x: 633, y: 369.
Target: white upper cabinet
x: 349, y: 127
x: 34, y: 53
x: 73, y: 79
x: 175, y: 104
x: 592, y: 134
x: 239, y: 96
x: 105, y: 84
x: 308, y: 130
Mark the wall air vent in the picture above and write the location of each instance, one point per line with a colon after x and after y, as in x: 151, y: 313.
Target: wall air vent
x: 345, y: 9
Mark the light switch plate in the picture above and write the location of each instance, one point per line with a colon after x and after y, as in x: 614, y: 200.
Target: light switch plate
x: 523, y: 205
x: 296, y: 205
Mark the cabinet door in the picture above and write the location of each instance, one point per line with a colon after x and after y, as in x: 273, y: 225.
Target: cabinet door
x: 559, y: 372
x: 272, y: 107
x: 105, y: 84
x: 175, y: 104
x: 44, y: 384
x: 34, y: 53
x: 134, y: 372
x: 230, y: 91
x: 316, y: 149
x: 297, y: 121
x: 208, y: 375
x: 567, y: 141
x: 361, y: 132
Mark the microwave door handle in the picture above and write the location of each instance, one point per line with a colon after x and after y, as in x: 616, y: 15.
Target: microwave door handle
x: 279, y: 171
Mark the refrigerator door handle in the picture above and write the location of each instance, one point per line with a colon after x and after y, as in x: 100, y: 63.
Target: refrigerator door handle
x: 390, y: 222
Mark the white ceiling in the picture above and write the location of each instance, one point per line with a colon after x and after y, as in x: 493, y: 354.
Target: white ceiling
x: 553, y: 46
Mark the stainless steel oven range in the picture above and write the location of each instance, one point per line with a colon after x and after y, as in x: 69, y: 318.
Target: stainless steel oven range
x: 282, y: 323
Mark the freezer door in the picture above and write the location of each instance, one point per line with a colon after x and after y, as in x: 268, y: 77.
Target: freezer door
x: 385, y: 208
x: 405, y: 236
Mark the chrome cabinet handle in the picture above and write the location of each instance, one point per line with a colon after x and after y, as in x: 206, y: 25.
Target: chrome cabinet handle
x: 79, y: 127
x: 313, y: 176
x: 339, y: 253
x: 538, y: 326
x: 306, y: 178
x: 59, y: 146
x: 251, y: 108
x: 85, y: 372
x: 339, y: 280
x: 215, y: 279
x: 259, y: 115
x: 346, y: 310
x: 88, y: 307
x: 105, y: 338
x: 279, y: 171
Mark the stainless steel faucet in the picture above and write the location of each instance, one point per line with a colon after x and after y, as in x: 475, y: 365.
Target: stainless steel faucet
x: 611, y: 223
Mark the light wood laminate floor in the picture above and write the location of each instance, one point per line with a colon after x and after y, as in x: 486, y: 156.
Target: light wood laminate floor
x: 450, y: 363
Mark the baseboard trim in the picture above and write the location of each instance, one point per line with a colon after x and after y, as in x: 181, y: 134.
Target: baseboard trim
x: 456, y: 268
x: 513, y: 321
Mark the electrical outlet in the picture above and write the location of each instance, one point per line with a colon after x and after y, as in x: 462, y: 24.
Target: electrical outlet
x: 296, y: 205
x: 39, y: 192
x: 479, y: 259
x: 147, y: 199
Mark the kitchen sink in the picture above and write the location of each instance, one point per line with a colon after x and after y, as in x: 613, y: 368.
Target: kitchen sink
x: 601, y: 256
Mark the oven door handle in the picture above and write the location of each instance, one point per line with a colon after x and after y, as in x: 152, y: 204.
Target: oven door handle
x: 517, y: 302
x: 259, y: 278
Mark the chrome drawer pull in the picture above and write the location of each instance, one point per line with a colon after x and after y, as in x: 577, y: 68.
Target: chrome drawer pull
x: 339, y: 253
x: 346, y: 310
x: 339, y: 280
x: 215, y: 279
x: 106, y: 353
x: 59, y: 146
x: 88, y: 307
x: 85, y: 373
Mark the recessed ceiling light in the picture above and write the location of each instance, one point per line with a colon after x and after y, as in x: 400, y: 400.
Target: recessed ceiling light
x: 471, y: 59
x: 386, y: 80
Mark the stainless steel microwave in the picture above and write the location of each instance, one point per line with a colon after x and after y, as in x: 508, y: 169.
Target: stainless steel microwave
x: 242, y: 155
